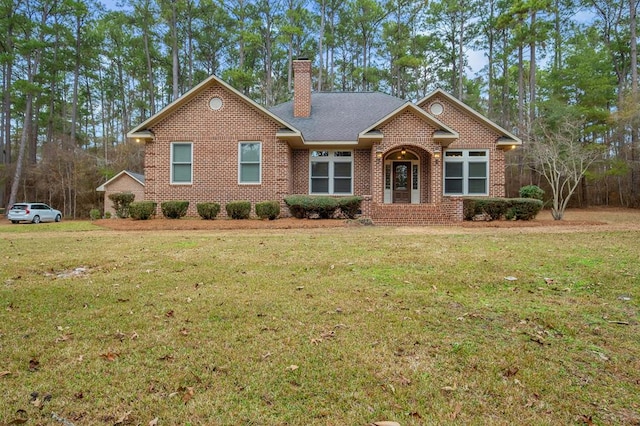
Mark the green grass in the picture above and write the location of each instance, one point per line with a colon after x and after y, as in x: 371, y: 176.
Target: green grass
x: 328, y: 327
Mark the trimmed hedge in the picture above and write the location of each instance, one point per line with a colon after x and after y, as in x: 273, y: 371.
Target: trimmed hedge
x: 121, y: 202
x: 268, y: 210
x: 142, y: 210
x: 238, y: 209
x: 94, y: 214
x: 324, y: 207
x: 350, y: 206
x: 496, y: 208
x: 208, y: 211
x: 174, y: 209
x: 524, y: 208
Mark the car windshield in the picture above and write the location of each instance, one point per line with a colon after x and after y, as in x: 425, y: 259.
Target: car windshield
x: 19, y: 207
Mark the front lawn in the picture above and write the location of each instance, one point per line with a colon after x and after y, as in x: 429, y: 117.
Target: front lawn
x: 344, y: 326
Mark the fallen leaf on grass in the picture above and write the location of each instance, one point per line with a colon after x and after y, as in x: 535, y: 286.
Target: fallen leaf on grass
x: 169, y: 314
x: 456, y: 411
x: 63, y: 338
x: 34, y: 365
x: 154, y: 422
x: 4, y: 373
x: 133, y: 336
x: 386, y: 423
x: 292, y: 367
x: 123, y: 419
x: 187, y: 395
x: 184, y: 332
x: 110, y: 356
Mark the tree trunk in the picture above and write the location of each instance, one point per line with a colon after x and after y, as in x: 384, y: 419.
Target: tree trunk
x: 635, y: 169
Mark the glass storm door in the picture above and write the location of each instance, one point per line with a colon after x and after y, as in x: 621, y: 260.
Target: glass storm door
x: 401, y: 182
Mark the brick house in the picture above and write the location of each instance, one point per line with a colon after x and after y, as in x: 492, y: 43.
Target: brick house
x: 411, y: 162
x: 125, y: 181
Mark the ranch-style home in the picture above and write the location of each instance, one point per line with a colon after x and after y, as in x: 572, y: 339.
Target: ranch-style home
x: 412, y: 163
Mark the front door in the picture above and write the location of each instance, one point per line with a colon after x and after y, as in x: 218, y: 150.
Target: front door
x: 401, y: 182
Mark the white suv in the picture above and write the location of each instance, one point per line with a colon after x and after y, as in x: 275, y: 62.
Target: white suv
x: 33, y: 212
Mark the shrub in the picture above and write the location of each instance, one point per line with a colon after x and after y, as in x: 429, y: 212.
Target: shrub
x: 107, y: 215
x: 174, y: 209
x: 469, y: 208
x: 238, y: 209
x: 94, y: 214
x: 268, y: 210
x: 494, y: 207
x: 208, y: 211
x: 532, y: 191
x: 298, y: 205
x: 350, y: 206
x: 121, y: 202
x: 142, y: 210
x: 524, y: 208
x: 301, y: 206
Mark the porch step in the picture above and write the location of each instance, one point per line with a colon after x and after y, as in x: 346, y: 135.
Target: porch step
x: 413, y: 214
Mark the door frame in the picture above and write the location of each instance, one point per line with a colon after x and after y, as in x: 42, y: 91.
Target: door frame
x: 388, y: 175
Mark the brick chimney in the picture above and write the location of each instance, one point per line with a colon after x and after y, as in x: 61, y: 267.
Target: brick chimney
x: 302, y: 88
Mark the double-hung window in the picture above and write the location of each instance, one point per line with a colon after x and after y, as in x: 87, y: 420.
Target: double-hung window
x: 466, y: 172
x: 331, y: 172
x: 249, y: 163
x: 181, y: 163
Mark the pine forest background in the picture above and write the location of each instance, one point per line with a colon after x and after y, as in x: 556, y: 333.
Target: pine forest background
x: 77, y: 75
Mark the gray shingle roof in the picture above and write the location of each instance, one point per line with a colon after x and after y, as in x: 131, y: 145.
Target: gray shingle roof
x: 339, y: 116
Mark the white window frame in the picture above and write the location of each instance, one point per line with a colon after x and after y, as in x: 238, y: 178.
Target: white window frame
x: 332, y: 160
x: 466, y: 159
x: 174, y: 163
x: 241, y: 163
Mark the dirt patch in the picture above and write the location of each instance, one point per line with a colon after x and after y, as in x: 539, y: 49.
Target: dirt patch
x: 600, y: 218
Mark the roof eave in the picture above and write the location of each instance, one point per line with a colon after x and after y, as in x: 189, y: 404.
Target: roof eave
x: 507, y: 144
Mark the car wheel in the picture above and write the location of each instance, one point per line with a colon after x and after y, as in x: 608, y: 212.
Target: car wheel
x: 14, y: 221
x: 36, y: 219
x: 58, y: 218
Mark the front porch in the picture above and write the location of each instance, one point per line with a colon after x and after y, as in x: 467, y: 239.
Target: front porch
x: 447, y: 212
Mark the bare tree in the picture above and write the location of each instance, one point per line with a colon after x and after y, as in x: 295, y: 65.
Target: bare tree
x: 558, y: 154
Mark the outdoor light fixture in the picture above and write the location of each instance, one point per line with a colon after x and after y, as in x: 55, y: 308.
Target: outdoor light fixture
x: 378, y: 152
x: 436, y: 154
x: 403, y: 151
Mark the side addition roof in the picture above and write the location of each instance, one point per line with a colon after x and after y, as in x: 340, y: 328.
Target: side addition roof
x: 135, y: 176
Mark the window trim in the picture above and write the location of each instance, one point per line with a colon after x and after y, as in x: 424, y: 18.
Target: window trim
x: 241, y: 163
x: 465, y: 159
x: 190, y: 163
x: 332, y: 159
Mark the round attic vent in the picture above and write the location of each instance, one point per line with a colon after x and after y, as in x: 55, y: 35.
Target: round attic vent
x: 437, y: 108
x: 215, y: 103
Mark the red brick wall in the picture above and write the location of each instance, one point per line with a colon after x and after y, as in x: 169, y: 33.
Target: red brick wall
x: 302, y: 88
x: 474, y: 134
x: 215, y: 136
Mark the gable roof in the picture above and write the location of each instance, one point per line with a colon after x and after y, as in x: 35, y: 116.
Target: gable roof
x: 339, y: 116
x: 507, y: 139
x: 444, y: 134
x: 135, y: 176
x: 142, y: 130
